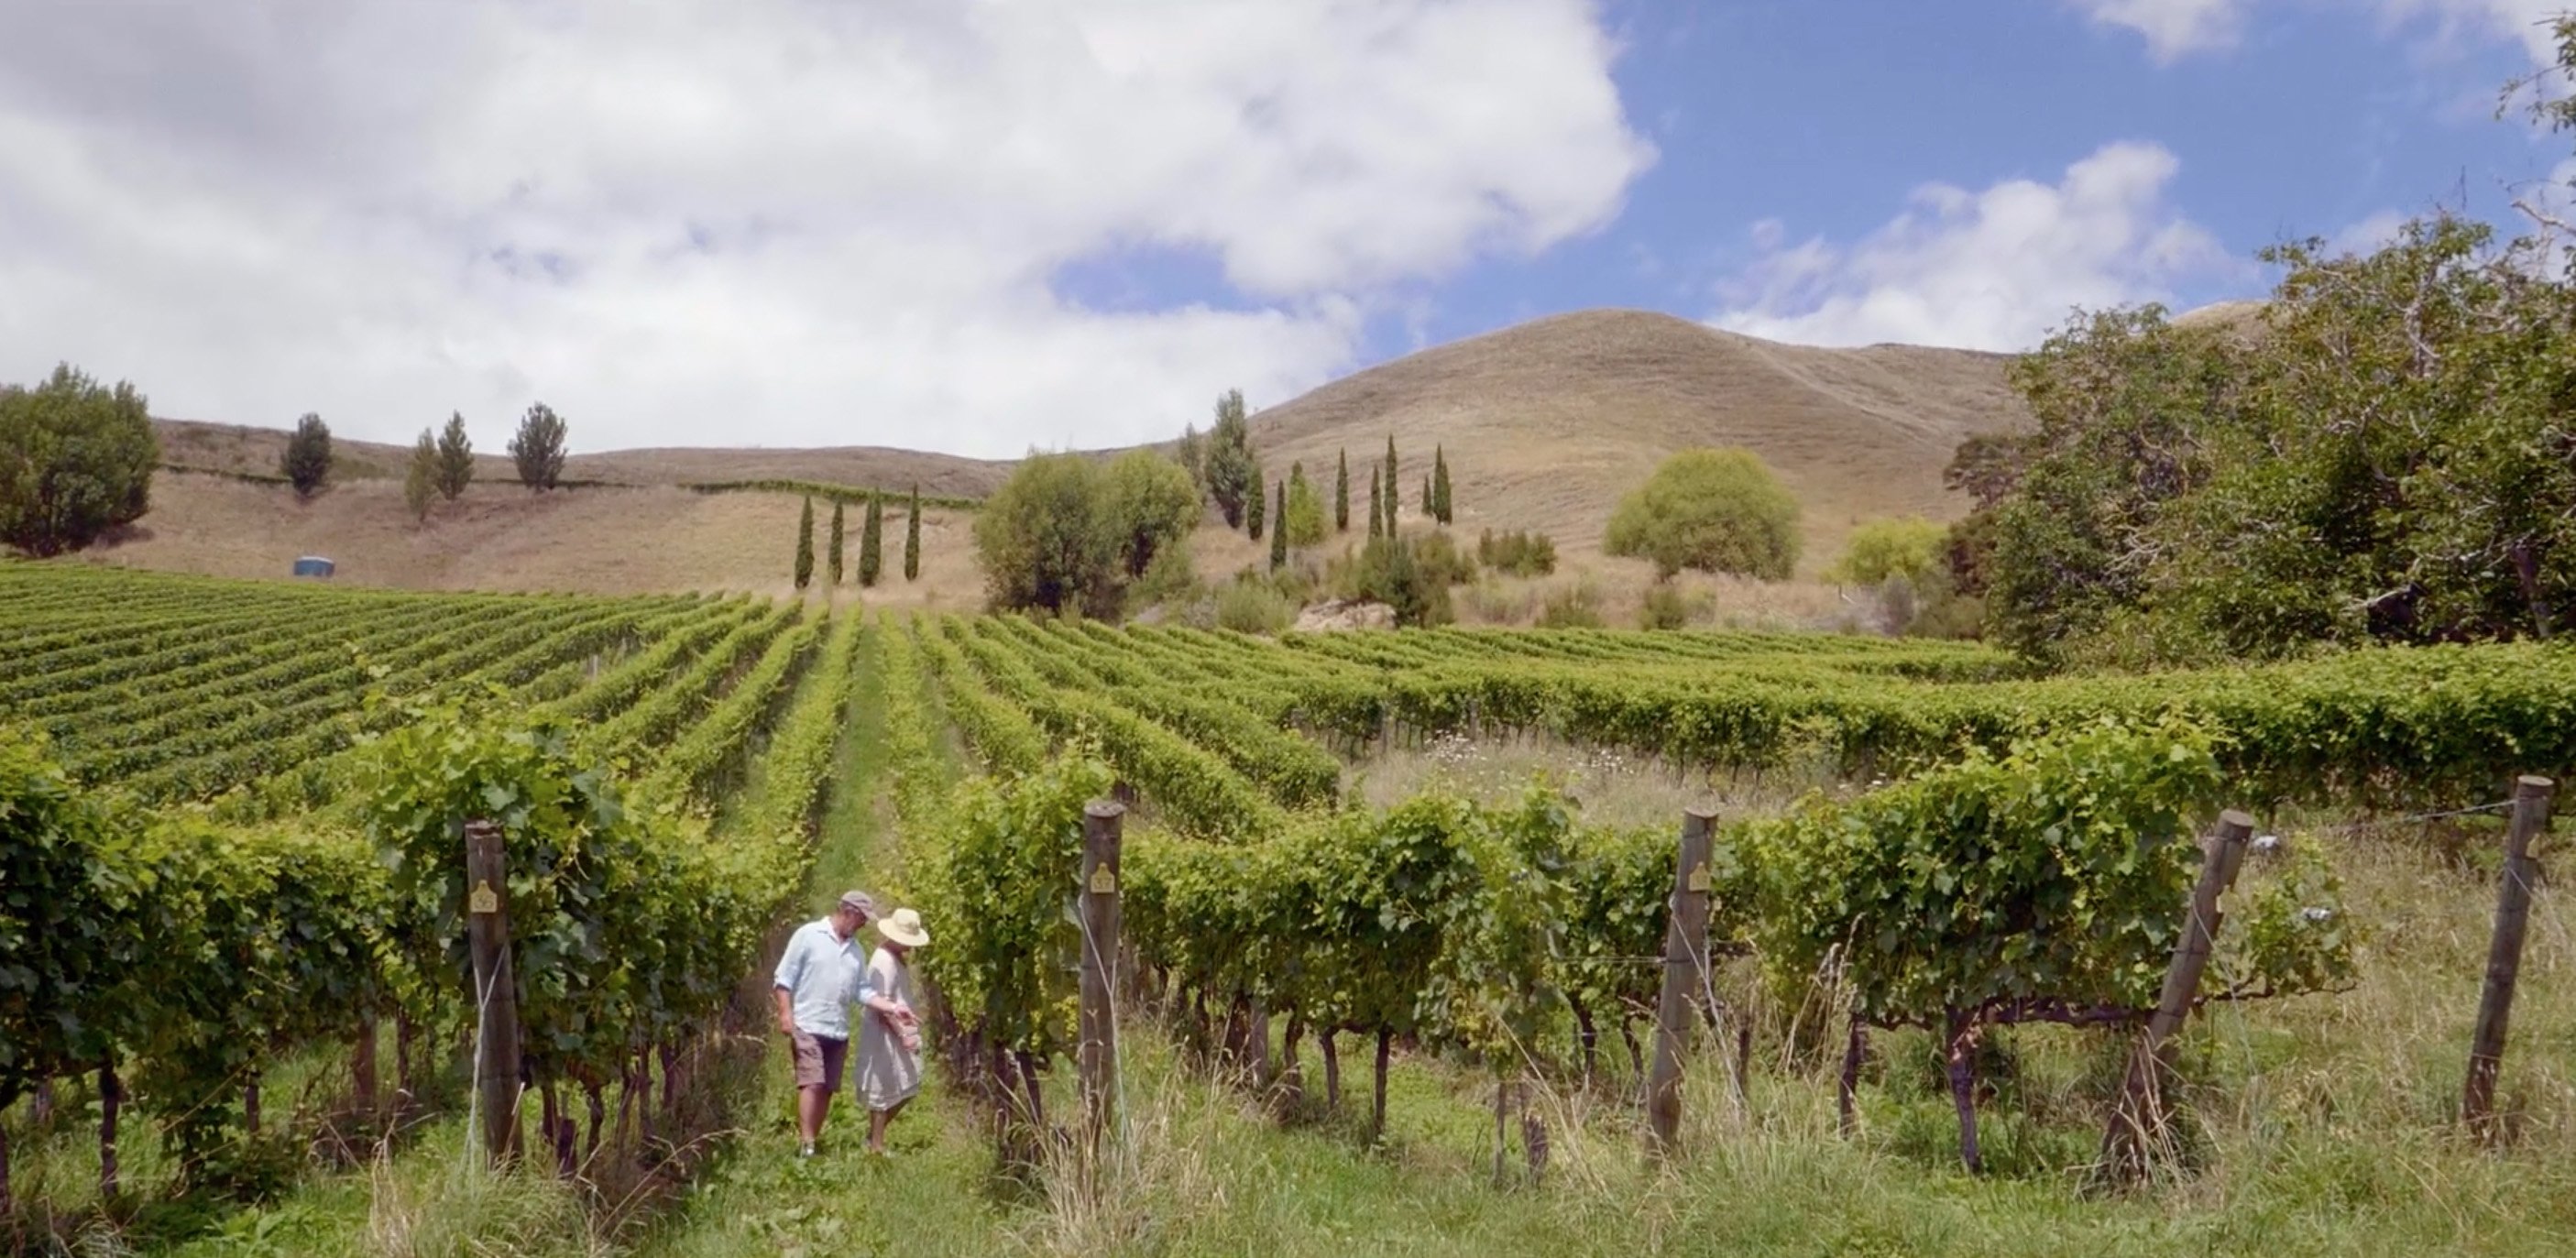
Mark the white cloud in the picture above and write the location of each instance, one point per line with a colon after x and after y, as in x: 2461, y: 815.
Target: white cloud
x: 774, y: 221
x: 1987, y: 270
x: 2526, y: 21
x: 2173, y: 28
x: 2368, y: 235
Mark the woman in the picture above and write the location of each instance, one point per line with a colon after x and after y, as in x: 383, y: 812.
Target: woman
x: 889, y: 1032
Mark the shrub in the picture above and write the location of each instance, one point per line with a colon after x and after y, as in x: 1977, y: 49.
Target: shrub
x: 1253, y: 607
x: 1576, y: 606
x: 1715, y: 510
x: 1907, y: 546
x: 1664, y: 607
x: 1393, y: 571
x: 76, y: 460
x: 1519, y: 553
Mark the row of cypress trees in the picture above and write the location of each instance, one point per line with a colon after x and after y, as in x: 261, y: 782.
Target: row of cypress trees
x: 871, y: 542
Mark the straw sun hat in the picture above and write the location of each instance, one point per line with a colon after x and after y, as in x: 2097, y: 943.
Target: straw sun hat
x: 904, y: 928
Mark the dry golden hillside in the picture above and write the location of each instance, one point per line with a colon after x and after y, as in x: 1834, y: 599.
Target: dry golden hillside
x: 1545, y: 425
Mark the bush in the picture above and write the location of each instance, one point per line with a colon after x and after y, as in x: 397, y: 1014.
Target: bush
x: 1441, y: 561
x: 306, y: 464
x: 1253, y: 607
x: 76, y: 460
x: 1411, y: 576
x: 1664, y: 607
x: 1518, y: 553
x: 1576, y: 606
x: 1908, y: 547
x: 1715, y: 510
x: 1168, y: 579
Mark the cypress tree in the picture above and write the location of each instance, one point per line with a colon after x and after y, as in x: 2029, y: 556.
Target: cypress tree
x: 1391, y: 482
x: 832, y: 560
x: 805, y: 546
x: 1439, y: 485
x: 1252, y: 511
x: 1377, y: 506
x: 421, y: 484
x: 1279, y: 531
x: 872, y: 540
x: 1342, y: 495
x: 912, y: 538
x: 1426, y: 498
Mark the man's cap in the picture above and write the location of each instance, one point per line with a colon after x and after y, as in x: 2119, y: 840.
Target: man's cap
x: 858, y: 902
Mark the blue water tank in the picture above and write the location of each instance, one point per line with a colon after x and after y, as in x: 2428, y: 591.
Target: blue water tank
x: 313, y: 566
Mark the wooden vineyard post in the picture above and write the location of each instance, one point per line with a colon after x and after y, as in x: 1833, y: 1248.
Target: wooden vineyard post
x: 1097, y: 1058
x: 1685, y: 972
x: 2138, y: 1117
x: 2504, y: 954
x: 496, y: 990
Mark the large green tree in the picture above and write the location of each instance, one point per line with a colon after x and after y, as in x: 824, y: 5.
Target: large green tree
x: 76, y: 460
x: 1711, y: 509
x: 1046, y: 539
x: 2384, y: 457
x: 306, y: 461
x: 538, y: 447
x: 1152, y: 506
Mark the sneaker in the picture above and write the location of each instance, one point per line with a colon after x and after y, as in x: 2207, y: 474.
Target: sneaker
x: 805, y: 1151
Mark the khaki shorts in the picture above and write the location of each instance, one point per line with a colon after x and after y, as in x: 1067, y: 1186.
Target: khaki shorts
x: 818, y: 1061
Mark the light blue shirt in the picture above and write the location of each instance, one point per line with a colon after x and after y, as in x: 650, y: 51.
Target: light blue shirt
x: 822, y: 974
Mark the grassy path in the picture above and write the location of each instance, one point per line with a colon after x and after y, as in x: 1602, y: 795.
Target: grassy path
x: 758, y: 1198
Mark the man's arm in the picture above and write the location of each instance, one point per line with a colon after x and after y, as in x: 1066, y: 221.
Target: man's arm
x: 791, y: 967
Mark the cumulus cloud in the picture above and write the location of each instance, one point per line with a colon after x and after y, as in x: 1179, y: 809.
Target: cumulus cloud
x: 1984, y: 270
x: 2173, y: 28
x: 774, y: 221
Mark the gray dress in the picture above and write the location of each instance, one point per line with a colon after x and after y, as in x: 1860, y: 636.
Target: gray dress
x: 888, y: 1073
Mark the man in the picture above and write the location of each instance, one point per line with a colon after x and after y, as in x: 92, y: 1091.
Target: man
x: 822, y: 971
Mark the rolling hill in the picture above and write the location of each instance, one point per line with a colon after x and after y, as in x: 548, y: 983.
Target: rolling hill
x: 1545, y: 424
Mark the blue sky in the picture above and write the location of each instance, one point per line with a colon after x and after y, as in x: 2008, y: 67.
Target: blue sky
x: 1822, y: 116
x: 982, y: 226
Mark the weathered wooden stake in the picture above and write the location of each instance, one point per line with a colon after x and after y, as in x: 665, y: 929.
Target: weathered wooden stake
x: 2504, y: 954
x: 1685, y: 973
x: 362, y: 1066
x: 1102, y: 823
x: 2138, y: 1117
x: 111, y: 1101
x: 496, y: 990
